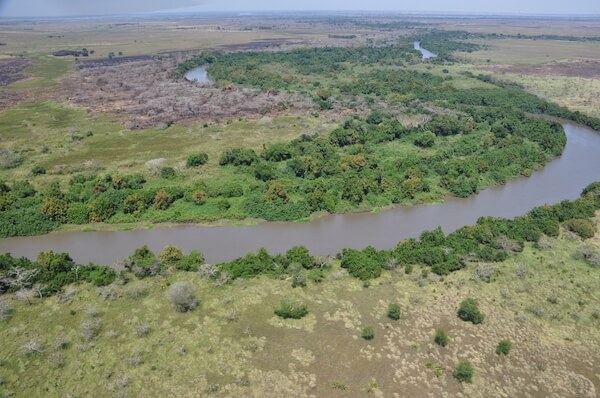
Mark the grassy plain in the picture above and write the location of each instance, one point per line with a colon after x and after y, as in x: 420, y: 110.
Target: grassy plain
x: 543, y: 300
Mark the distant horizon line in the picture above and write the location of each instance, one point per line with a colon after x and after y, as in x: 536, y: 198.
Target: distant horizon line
x: 242, y: 13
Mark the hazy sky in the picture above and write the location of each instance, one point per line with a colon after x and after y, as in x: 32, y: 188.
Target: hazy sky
x: 11, y: 8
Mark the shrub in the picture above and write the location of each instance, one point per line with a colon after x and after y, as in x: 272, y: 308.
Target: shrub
x: 191, y: 262
x: 9, y: 159
x: 182, y: 296
x: 170, y: 255
x: 199, y: 197
x: 469, y: 311
x: 90, y: 329
x: 162, y: 200
x: 32, y: 347
x: 425, y: 140
x: 291, y: 310
x: 167, y: 173
x: 300, y: 255
x: 504, y: 347
x: 78, y: 213
x: 586, y: 229
x: 101, y: 209
x: 238, y: 157
x: 394, y: 312
x: 38, y: 170
x: 5, y: 311
x: 441, y: 338
x: 464, y: 372
x: 368, y: 333
x: 196, y: 160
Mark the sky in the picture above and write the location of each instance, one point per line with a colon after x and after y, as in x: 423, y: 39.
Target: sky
x: 53, y: 8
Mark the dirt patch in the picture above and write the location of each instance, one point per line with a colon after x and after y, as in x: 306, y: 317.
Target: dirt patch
x: 11, y: 70
x: 146, y: 92
x: 587, y: 69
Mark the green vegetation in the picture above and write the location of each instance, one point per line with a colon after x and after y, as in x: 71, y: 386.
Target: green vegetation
x: 464, y: 372
x: 291, y: 310
x: 368, y: 333
x: 504, y: 347
x: 469, y: 311
x: 394, y: 312
x: 441, y: 338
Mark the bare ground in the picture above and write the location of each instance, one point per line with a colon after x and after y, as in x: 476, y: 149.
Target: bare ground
x: 11, y: 70
x: 587, y: 69
x: 146, y: 92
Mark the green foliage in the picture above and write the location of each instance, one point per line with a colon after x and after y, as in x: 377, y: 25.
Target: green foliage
x: 504, y: 347
x: 288, y: 309
x: 191, y: 262
x: 368, y: 333
x: 441, y: 338
x: 469, y: 311
x: 171, y: 255
x: 585, y: 228
x: 394, y: 312
x: 425, y: 140
x: 167, y: 173
x: 300, y: 255
x: 197, y: 159
x: 238, y: 157
x: 364, y: 265
x: 464, y: 372
x: 38, y: 170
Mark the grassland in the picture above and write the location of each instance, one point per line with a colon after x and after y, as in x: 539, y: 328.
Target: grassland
x: 543, y: 300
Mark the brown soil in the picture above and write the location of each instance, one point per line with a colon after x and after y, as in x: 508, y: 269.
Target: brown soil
x: 145, y: 91
x: 11, y: 70
x: 587, y: 69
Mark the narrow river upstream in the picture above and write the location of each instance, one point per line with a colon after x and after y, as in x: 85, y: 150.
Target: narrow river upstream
x: 563, y: 178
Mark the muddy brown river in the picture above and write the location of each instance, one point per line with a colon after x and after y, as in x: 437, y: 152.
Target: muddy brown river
x: 562, y: 178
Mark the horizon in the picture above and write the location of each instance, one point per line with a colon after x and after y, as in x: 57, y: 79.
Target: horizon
x: 36, y: 9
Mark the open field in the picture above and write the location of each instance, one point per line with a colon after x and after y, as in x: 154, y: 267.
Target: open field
x: 543, y: 300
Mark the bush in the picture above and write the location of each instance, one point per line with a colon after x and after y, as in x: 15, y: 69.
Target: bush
x: 425, y: 140
x: 162, y: 200
x: 469, y: 311
x: 182, y: 296
x: 441, y: 338
x: 196, y: 160
x: 167, y: 173
x: 291, y: 310
x: 394, y: 312
x: 300, y: 255
x: 78, y: 213
x: 199, y: 197
x: 170, y: 255
x: 464, y: 372
x: 585, y: 228
x: 38, y: 170
x: 504, y: 347
x: 190, y: 262
x: 5, y: 311
x: 368, y: 333
x: 238, y: 157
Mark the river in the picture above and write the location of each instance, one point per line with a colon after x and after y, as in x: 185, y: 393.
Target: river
x: 426, y: 53
x: 562, y: 178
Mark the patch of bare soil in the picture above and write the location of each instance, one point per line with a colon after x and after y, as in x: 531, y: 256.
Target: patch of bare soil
x: 588, y: 69
x: 11, y: 70
x: 145, y: 91
x: 9, y: 98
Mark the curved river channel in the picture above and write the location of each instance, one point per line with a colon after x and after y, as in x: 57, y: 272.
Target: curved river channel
x: 562, y: 178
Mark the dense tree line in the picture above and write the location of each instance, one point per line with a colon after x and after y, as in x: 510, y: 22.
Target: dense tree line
x: 490, y: 240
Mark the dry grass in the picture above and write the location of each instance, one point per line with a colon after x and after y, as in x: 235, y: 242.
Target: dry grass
x: 255, y: 354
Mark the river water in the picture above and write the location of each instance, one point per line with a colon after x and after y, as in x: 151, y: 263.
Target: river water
x: 562, y: 178
x: 198, y: 75
x: 426, y: 53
